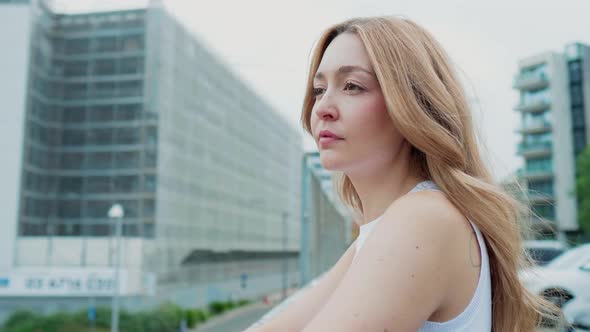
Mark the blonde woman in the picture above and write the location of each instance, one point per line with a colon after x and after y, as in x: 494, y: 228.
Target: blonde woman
x: 439, y: 246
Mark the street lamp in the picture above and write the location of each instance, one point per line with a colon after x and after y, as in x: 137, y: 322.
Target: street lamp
x: 285, y: 257
x: 116, y: 215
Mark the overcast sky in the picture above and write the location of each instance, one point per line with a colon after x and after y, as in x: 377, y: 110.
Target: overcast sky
x: 268, y: 43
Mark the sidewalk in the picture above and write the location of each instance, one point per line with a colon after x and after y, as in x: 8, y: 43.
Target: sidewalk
x: 229, y: 315
x: 268, y: 301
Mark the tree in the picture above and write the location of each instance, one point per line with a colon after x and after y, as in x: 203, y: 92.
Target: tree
x: 583, y: 189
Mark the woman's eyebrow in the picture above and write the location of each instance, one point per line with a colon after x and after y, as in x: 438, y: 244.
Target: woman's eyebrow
x: 346, y: 69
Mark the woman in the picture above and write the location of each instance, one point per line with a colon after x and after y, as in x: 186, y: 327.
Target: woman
x: 439, y: 246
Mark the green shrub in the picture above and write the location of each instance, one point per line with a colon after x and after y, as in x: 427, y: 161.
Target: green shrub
x: 19, y: 317
x: 216, y: 307
x: 243, y: 302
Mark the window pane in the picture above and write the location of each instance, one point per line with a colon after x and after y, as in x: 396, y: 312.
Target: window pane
x: 71, y: 160
x: 98, y: 184
x: 126, y: 159
x: 99, y: 160
x: 70, y: 185
x: 98, y: 209
x: 74, y: 114
x: 68, y: 209
x: 100, y: 136
x: 126, y: 184
x: 127, y: 135
x: 101, y: 113
x: 104, y: 67
x: 127, y: 112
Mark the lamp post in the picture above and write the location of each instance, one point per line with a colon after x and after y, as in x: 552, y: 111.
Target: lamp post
x: 285, y: 258
x: 116, y: 215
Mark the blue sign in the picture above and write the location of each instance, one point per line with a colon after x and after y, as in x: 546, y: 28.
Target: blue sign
x: 4, y: 282
x: 91, y: 314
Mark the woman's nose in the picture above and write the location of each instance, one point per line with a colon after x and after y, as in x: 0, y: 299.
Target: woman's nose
x: 326, y: 110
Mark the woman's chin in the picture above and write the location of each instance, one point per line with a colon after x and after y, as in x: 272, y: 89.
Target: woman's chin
x: 330, y: 163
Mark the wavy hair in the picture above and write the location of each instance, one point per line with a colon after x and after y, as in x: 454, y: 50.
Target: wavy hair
x: 427, y: 104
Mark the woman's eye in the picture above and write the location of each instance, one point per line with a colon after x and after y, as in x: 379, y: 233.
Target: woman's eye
x: 352, y: 86
x: 317, y: 91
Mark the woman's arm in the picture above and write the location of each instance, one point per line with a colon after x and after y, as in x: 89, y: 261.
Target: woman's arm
x: 306, y: 303
x: 404, y: 272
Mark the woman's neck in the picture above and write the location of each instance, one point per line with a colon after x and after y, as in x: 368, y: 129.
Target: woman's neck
x: 380, y: 186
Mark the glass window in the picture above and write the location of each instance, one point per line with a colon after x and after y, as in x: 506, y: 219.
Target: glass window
x: 104, y: 67
x: 33, y: 229
x: 101, y: 113
x: 126, y: 159
x: 132, y: 65
x: 130, y: 88
x: 68, y: 209
x: 575, y: 71
x: 151, y: 135
x: 106, y: 44
x: 75, y: 90
x: 149, y: 183
x: 130, y: 230
x: 99, y: 136
x: 98, y: 184
x: 73, y: 137
x: 128, y: 112
x: 150, y: 159
x: 97, y: 209
x: 576, y: 94
x: 68, y: 229
x: 132, y: 42
x: 74, y: 114
x: 100, y: 229
x: 99, y: 160
x: 130, y: 207
x: 71, y: 160
x: 545, y: 187
x: 77, y: 46
x: 104, y: 89
x: 579, y: 140
x: 149, y: 208
x: 128, y: 135
x: 539, y: 164
x: 75, y: 68
x: 70, y: 185
x: 126, y: 184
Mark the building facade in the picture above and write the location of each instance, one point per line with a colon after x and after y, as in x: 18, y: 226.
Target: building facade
x: 554, y: 105
x: 127, y: 107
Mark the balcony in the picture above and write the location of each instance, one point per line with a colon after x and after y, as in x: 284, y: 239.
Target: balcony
x: 534, y: 106
x: 535, y: 127
x: 530, y: 81
x: 538, y: 173
x: 537, y: 149
x: 536, y: 197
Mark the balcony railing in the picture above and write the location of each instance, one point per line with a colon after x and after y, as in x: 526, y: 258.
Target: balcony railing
x: 535, y: 127
x: 534, y: 149
x: 530, y: 81
x: 533, y: 106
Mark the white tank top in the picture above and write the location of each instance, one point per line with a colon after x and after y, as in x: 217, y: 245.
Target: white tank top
x: 477, y: 316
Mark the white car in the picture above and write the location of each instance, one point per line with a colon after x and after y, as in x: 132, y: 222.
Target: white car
x: 565, y: 281
x: 544, y: 251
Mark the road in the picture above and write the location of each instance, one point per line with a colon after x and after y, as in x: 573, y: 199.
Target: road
x: 236, y: 322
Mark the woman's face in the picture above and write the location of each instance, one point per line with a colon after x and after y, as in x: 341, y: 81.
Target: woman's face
x: 349, y: 104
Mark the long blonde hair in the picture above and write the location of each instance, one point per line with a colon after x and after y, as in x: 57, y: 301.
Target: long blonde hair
x: 427, y: 105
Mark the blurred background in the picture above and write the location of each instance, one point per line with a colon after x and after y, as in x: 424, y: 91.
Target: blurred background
x: 155, y: 176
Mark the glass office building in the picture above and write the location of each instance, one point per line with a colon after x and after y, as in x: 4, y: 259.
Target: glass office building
x: 128, y: 107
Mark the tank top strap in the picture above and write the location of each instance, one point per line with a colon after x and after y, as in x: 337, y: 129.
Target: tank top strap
x: 425, y: 185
